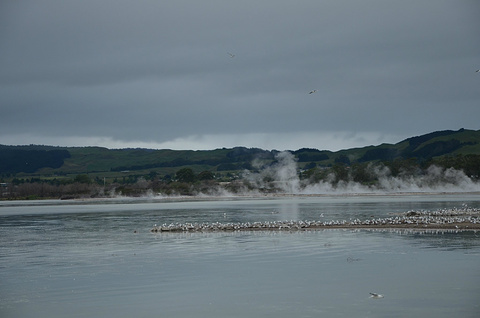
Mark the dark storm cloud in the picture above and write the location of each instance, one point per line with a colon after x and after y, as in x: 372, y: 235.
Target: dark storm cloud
x: 158, y: 72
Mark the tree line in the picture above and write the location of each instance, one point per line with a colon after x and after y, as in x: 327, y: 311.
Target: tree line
x: 186, y: 182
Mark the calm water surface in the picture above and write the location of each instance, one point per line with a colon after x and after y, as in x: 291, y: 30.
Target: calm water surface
x: 98, y: 259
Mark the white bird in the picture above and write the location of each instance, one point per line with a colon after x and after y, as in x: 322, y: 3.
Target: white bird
x: 231, y: 55
x: 478, y: 71
x: 375, y: 295
x: 314, y: 91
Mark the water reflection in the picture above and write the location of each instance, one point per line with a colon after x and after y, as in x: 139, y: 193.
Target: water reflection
x: 431, y: 238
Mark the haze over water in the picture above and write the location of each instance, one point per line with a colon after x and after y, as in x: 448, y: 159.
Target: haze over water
x: 98, y: 259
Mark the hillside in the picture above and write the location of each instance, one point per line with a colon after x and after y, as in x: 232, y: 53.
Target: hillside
x: 48, y: 161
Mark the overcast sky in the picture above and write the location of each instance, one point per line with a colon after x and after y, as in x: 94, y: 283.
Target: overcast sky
x: 159, y: 73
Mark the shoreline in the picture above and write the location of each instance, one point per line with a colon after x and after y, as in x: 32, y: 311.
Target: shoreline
x: 162, y: 198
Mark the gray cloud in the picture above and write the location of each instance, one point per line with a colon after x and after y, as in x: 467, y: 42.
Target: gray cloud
x: 157, y: 72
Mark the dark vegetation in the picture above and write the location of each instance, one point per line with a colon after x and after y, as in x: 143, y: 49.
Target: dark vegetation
x: 13, y: 160
x: 67, y: 172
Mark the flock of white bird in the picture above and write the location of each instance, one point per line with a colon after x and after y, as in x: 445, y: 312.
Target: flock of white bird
x: 466, y: 217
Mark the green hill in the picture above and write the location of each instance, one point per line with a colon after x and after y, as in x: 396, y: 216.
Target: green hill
x: 446, y: 143
x: 49, y: 161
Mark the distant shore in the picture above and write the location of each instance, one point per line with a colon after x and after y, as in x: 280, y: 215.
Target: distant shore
x: 226, y: 197
x: 254, y: 195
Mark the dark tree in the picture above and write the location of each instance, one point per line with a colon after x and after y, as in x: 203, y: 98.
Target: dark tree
x: 185, y: 175
x: 205, y: 175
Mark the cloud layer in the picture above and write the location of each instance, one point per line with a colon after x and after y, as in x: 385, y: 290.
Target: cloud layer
x: 158, y: 73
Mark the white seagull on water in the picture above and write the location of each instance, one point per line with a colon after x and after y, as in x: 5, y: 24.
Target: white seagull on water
x: 231, y: 55
x: 375, y: 295
x: 314, y: 91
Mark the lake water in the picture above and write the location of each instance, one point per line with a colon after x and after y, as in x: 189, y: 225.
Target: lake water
x: 99, y: 259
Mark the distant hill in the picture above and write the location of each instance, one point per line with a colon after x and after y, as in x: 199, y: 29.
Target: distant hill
x: 428, y: 146
x: 36, y: 160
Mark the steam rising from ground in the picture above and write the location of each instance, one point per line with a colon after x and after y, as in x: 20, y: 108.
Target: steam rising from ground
x: 284, y: 177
